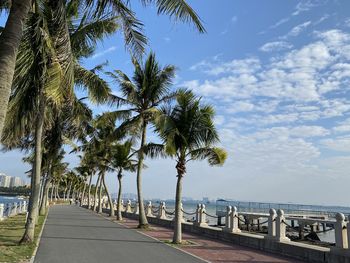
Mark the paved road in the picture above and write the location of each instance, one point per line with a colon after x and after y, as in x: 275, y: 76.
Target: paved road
x: 73, y: 235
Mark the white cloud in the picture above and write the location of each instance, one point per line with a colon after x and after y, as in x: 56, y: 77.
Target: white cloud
x: 217, y: 67
x: 341, y: 144
x: 304, y: 6
x: 295, y: 31
x: 234, y: 19
x: 343, y: 126
x: 219, y: 119
x: 276, y: 46
x: 104, y: 52
x: 303, y: 74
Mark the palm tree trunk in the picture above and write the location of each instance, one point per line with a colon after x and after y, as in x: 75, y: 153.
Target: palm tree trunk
x: 111, y: 210
x: 28, y: 235
x: 83, y: 194
x: 100, y: 197
x: 10, y: 39
x: 52, y: 190
x: 119, y: 201
x: 177, y: 238
x: 43, y: 206
x: 69, y: 189
x: 89, y: 194
x: 96, y: 189
x: 143, y: 223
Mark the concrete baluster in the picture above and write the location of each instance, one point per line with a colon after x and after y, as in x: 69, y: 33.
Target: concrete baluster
x: 24, y: 208
x: 272, y: 224
x: 341, y: 235
x: 14, y: 212
x: 234, y: 227
x: 348, y: 230
x: 122, y: 206
x: 202, y: 217
x: 228, y: 219
x: 161, y: 212
x: 281, y: 227
x: 198, y: 214
x: 149, y: 209
x: 136, y: 209
x: 128, y: 207
x: 2, y: 209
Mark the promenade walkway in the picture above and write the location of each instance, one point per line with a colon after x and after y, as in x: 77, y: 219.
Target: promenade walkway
x: 73, y: 234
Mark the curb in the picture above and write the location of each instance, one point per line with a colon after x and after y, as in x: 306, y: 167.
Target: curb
x: 39, y: 238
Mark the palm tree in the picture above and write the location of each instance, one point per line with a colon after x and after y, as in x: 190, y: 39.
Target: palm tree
x: 149, y: 87
x: 131, y: 26
x: 122, y: 161
x: 188, y: 133
x: 10, y: 39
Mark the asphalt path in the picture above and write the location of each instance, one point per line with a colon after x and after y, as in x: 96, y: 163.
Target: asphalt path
x: 73, y: 234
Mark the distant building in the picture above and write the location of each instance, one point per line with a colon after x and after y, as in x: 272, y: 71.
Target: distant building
x: 10, y: 181
x: 16, y: 181
x: 5, y: 180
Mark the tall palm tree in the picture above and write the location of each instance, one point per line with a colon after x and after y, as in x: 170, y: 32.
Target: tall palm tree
x: 131, y: 26
x: 10, y: 39
x: 189, y: 134
x: 122, y: 160
x: 149, y: 87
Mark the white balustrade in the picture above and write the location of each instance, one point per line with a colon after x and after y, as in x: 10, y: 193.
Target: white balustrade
x: 161, y: 212
x: 341, y: 233
x: 281, y: 227
x: 136, y: 209
x: 2, y: 210
x: 149, y: 209
x: 271, y: 224
x: 128, y: 207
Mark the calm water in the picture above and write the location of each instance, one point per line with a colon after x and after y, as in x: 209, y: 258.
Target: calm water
x: 211, y: 210
x: 8, y: 199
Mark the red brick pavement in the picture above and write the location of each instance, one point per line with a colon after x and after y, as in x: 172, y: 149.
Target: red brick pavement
x: 209, y: 249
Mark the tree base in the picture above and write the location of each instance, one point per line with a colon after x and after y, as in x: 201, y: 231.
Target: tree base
x: 25, y: 240
x: 143, y: 226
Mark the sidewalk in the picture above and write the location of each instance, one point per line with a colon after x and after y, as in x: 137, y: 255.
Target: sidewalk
x: 209, y: 249
x: 74, y: 234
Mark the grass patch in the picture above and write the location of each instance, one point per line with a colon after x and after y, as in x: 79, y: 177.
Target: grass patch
x: 184, y: 243
x: 11, y: 231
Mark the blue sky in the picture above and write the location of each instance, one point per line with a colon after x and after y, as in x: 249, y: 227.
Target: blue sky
x: 278, y: 75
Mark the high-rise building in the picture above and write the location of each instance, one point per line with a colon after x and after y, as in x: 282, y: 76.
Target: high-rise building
x: 16, y: 181
x: 5, y: 180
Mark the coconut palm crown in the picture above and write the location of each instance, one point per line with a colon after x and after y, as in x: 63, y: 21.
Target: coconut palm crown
x: 188, y: 133
x: 149, y: 87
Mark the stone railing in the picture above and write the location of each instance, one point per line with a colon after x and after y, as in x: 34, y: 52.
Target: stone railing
x: 274, y: 241
x: 12, y: 209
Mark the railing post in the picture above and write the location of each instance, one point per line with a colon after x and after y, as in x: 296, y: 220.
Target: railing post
x: 228, y: 218
x: 198, y: 213
x: 149, y: 209
x: 272, y: 224
x: 136, y: 209
x: 234, y: 228
x: 201, y: 218
x: 161, y: 212
x: 14, y: 212
x: 128, y: 207
x: 122, y: 208
x: 2, y: 208
x: 24, y: 210
x: 341, y: 235
x: 281, y: 226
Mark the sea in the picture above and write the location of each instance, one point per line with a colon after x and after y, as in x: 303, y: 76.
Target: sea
x: 190, y: 207
x: 9, y: 199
